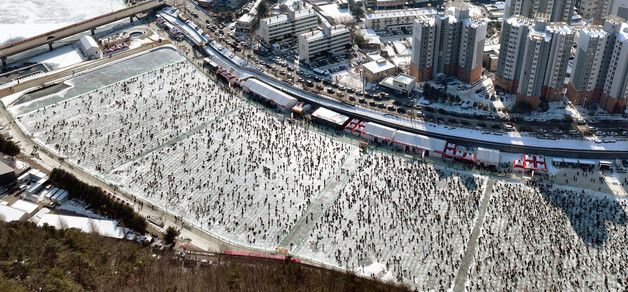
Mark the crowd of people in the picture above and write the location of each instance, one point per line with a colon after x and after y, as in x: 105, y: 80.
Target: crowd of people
x: 190, y: 146
x: 410, y: 216
x: 542, y: 237
x: 247, y: 177
x: 106, y: 128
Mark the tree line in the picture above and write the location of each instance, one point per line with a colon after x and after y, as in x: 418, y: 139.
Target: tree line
x: 98, y: 199
x: 8, y: 147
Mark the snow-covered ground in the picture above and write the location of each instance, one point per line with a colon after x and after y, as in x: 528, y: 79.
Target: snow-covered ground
x: 410, y: 216
x: 182, y: 142
x: 59, y: 58
x: 548, y: 238
x: 27, y: 18
x: 159, y: 129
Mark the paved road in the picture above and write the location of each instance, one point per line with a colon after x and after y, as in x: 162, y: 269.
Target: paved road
x: 58, y: 34
x: 567, y: 148
x: 42, y: 80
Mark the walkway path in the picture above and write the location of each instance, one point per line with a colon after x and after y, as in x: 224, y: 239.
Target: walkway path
x: 328, y: 196
x: 463, y: 270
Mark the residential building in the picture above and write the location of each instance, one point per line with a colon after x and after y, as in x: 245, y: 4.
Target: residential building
x: 335, y: 40
x: 600, y: 66
x: 512, y: 44
x: 533, y: 59
x: 447, y: 44
x: 600, y: 9
x: 451, y: 43
x: 377, y: 70
x: 472, y: 38
x: 287, y: 25
x: 556, y: 10
x: 423, y: 40
x: 615, y: 89
x: 395, y: 20
x: 619, y: 8
x: 583, y: 88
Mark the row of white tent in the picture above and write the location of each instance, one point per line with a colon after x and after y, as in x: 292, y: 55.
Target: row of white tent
x: 280, y: 99
x: 383, y: 134
x: 414, y: 142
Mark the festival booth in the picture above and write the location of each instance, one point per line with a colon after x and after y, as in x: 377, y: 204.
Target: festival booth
x: 227, y: 76
x: 530, y: 164
x: 301, y: 108
x: 330, y: 118
x: 459, y: 153
x: 487, y: 157
x: 269, y: 94
x: 355, y: 127
x: 379, y: 133
x: 411, y: 142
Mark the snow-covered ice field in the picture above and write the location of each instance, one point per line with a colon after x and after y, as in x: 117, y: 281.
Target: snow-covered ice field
x: 410, y: 217
x: 551, y: 238
x: 177, y: 139
x: 27, y: 18
x: 160, y: 129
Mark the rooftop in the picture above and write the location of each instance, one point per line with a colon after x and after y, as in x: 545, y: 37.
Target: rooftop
x: 276, y: 19
x: 378, y: 65
x: 313, y: 35
x: 519, y: 20
x: 400, y: 13
x: 474, y: 22
x: 593, y: 31
x: 403, y: 78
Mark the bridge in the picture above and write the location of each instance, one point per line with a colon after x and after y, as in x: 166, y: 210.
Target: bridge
x: 89, y: 24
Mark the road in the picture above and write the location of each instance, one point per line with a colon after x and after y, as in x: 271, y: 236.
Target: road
x: 58, y: 34
x: 468, y: 137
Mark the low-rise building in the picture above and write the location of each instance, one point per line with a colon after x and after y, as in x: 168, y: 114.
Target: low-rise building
x: 377, y: 70
x: 287, y: 25
x: 90, y: 47
x: 395, y: 20
x: 335, y: 41
x: 402, y: 83
x: 246, y: 22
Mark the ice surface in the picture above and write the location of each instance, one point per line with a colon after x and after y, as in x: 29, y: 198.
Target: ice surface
x: 27, y: 18
x: 548, y: 238
x: 410, y: 216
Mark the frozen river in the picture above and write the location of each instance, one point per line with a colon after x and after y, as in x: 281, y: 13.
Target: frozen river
x: 27, y: 18
x: 104, y: 76
x: 161, y: 130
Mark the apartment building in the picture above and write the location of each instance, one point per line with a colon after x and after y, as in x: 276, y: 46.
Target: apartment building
x: 583, y: 87
x: 472, y: 38
x: 555, y: 10
x: 533, y: 59
x: 335, y: 40
x: 446, y: 44
x: 395, y: 20
x: 600, y: 9
x: 451, y: 43
x: 288, y: 25
x: 615, y: 88
x: 423, y: 41
x: 512, y: 44
x: 600, y: 66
